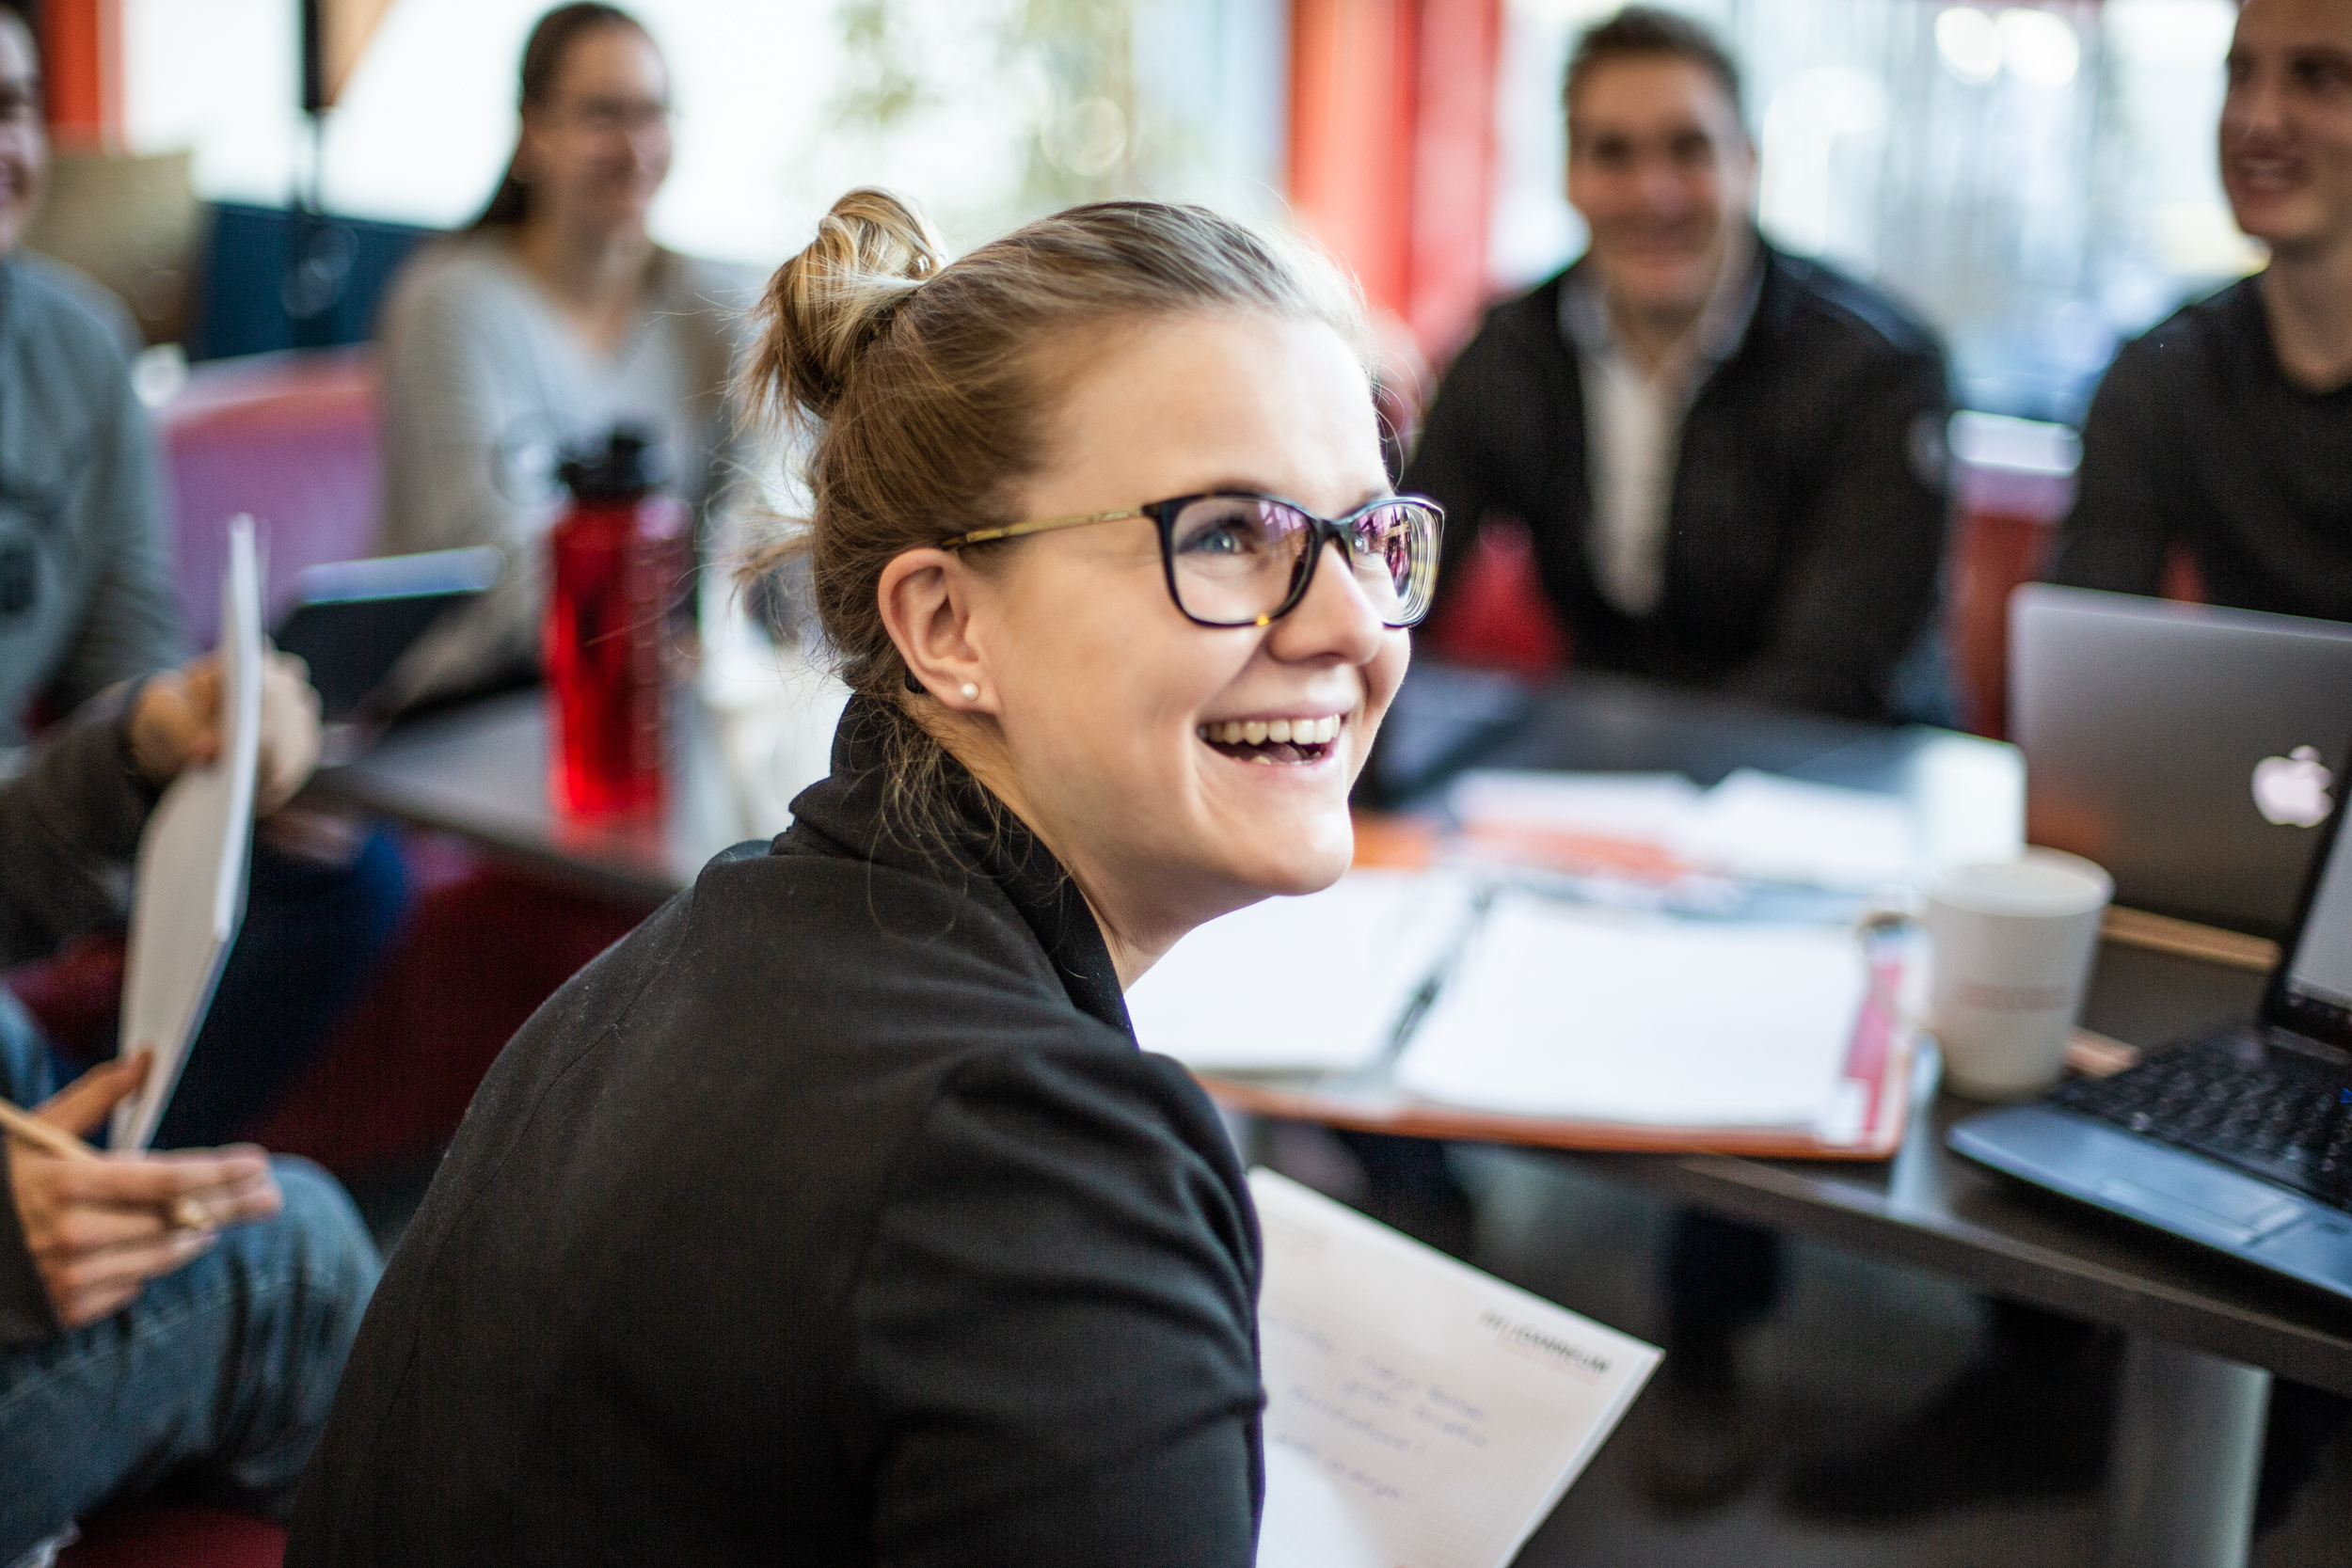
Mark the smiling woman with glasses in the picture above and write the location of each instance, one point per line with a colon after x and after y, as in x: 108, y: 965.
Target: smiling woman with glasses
x: 836, y: 1213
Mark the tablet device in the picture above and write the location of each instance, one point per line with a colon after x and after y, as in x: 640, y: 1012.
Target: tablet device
x: 352, y: 620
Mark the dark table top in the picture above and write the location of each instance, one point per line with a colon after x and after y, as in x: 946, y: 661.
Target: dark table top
x: 481, y: 771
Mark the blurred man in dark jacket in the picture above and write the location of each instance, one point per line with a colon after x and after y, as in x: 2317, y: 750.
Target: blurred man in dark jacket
x: 1731, y: 461
x: 1731, y: 464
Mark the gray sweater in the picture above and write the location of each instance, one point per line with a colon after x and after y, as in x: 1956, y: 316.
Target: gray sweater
x: 85, y: 601
x: 482, y: 378
x: 85, y: 588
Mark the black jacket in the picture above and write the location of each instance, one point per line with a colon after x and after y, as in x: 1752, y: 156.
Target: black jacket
x: 833, y: 1217
x: 2197, y: 439
x: 1807, y: 518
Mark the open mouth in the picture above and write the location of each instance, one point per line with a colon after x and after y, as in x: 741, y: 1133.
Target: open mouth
x: 1274, y: 741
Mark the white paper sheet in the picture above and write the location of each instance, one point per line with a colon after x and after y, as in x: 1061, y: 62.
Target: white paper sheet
x: 1555, y: 1010
x: 1752, y: 826
x: 1419, y: 1414
x: 1647, y: 807
x: 1764, y: 828
x: 1318, y: 982
x: 188, y: 895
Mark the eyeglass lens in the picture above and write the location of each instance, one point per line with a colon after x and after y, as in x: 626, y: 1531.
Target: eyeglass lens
x: 1236, y: 559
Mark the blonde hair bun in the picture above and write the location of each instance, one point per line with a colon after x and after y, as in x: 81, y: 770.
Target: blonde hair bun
x: 826, y: 306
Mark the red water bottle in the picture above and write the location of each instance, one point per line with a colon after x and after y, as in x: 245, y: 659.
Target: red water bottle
x: 618, y: 563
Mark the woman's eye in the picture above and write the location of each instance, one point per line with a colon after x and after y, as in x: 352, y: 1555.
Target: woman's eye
x: 1221, y: 536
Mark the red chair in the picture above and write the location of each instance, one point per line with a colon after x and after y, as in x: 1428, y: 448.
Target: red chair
x: 485, y: 948
x: 1497, y: 616
x: 2013, y: 483
x: 187, y: 1536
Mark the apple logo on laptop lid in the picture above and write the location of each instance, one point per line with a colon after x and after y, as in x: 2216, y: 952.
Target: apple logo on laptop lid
x: 2292, y: 791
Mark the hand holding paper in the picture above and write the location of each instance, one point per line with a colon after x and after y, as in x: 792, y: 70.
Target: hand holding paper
x: 177, y: 724
x: 99, y: 1226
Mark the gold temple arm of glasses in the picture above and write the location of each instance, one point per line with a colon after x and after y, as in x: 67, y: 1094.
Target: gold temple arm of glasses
x: 1016, y: 531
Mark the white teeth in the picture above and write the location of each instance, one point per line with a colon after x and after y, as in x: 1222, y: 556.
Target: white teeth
x: 1259, y: 732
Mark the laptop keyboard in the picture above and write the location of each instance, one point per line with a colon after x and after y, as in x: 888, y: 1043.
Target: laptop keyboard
x: 2268, y: 1111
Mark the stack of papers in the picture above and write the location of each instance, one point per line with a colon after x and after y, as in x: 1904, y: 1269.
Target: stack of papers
x: 1753, y: 826
x: 1418, y: 1412
x: 1318, y: 983
x: 1560, y: 1012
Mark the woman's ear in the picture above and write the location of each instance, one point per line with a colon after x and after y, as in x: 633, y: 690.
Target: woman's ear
x: 926, y: 598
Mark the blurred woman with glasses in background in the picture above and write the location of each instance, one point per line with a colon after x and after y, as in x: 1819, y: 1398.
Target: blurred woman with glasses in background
x: 552, y: 319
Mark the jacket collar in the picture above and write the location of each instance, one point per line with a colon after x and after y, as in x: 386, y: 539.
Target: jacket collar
x: 844, y: 815
x: 1720, y: 330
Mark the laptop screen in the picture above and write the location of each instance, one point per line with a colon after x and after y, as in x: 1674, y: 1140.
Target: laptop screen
x: 2315, y: 984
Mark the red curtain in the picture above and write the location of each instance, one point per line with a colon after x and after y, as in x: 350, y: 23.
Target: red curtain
x: 1391, y: 150
x: 81, y: 50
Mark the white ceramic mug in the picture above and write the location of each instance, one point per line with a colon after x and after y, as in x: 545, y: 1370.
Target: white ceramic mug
x: 2012, y: 944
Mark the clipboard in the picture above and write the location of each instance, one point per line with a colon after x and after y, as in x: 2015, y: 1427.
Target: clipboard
x: 189, y: 883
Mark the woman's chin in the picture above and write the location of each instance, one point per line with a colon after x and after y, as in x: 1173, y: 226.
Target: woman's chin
x: 1287, y: 866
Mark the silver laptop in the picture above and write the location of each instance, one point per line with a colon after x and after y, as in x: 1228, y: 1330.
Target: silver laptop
x: 2241, y: 1140
x: 2188, y: 749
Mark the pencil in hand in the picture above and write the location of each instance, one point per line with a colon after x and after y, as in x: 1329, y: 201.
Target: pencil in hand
x: 47, y: 1136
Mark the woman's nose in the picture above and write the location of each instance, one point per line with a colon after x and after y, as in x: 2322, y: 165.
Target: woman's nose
x: 1335, y: 617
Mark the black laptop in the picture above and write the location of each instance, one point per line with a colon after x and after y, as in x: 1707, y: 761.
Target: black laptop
x: 2241, y: 1140
x: 351, y: 621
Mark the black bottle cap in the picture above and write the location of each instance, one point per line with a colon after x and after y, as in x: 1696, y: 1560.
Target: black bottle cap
x: 630, y: 464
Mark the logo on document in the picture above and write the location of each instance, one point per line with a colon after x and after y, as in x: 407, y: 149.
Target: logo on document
x: 2292, y: 791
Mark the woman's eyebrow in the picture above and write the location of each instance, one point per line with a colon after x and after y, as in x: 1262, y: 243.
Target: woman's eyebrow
x: 1251, y: 487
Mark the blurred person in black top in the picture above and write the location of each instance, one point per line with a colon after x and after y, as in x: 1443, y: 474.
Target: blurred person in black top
x: 2223, y: 437
x: 2225, y: 434
x: 1731, y: 460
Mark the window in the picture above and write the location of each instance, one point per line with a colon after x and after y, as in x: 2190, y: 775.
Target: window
x: 986, y: 111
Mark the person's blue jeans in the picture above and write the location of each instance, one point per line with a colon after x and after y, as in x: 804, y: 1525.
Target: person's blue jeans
x: 213, y: 1385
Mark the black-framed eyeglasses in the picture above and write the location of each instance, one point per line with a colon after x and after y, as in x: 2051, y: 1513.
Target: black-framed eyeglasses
x: 1239, y: 559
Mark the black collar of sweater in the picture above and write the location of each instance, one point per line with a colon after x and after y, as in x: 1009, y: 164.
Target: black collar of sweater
x: 843, y: 815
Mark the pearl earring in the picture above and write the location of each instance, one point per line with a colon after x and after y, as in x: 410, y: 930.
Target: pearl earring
x: 971, y: 693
